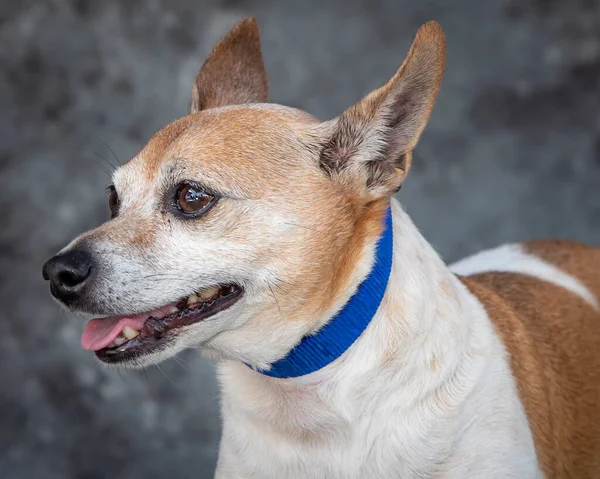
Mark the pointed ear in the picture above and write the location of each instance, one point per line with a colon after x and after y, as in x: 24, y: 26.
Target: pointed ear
x: 369, y: 145
x: 234, y: 72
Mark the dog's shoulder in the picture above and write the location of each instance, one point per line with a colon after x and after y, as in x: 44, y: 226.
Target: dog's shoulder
x: 542, y: 298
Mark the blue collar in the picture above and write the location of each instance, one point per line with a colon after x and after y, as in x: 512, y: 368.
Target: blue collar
x: 330, y: 342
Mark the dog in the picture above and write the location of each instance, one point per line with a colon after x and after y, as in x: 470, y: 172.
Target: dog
x: 273, y: 242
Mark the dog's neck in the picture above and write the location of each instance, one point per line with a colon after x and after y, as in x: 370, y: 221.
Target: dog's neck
x: 421, y: 339
x: 321, y: 348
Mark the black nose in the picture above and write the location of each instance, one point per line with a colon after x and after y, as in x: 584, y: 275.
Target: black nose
x: 68, y: 274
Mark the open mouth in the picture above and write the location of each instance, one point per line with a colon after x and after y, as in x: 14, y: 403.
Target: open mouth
x: 120, y: 338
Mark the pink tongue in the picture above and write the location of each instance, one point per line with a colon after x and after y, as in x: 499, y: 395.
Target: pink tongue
x: 99, y: 333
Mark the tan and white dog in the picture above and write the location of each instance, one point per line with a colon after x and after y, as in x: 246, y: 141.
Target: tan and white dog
x: 245, y: 227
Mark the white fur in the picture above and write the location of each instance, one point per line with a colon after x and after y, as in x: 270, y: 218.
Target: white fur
x: 257, y: 248
x: 426, y: 391
x: 513, y: 258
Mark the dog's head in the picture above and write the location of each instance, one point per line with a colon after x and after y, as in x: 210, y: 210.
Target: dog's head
x: 244, y: 226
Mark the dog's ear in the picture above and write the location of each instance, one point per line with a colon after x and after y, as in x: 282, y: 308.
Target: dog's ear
x: 234, y: 72
x: 369, y: 146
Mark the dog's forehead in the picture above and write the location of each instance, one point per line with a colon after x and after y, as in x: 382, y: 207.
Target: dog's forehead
x: 228, y: 144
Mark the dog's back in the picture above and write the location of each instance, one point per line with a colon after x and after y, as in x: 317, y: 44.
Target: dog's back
x: 542, y: 298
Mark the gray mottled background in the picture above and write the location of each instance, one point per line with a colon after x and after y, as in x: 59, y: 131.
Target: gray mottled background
x: 512, y: 151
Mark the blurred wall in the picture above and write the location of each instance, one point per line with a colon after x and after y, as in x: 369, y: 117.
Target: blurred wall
x: 512, y: 152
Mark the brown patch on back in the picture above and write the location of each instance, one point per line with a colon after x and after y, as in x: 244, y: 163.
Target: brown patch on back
x: 552, y: 337
x: 577, y: 259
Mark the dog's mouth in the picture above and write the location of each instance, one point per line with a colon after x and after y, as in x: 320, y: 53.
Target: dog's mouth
x: 120, y: 338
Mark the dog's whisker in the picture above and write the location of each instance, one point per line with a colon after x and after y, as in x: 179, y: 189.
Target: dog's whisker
x: 79, y: 316
x: 162, y: 275
x: 165, y: 375
x: 66, y: 314
x: 180, y: 362
x: 302, y: 226
x: 159, y: 278
x: 276, y: 302
x: 288, y: 293
x: 102, y: 167
x: 63, y: 313
x: 120, y: 372
x: 166, y: 273
x: 119, y: 162
x: 278, y: 286
x: 182, y: 359
x: 111, y: 166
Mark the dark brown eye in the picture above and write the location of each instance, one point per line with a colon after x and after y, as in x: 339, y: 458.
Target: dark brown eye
x: 113, y: 203
x: 191, y: 200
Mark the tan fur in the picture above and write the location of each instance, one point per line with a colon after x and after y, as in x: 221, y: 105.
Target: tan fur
x: 221, y: 148
x: 577, y: 259
x: 302, y: 202
x: 234, y: 72
x: 224, y: 143
x: 427, y: 54
x: 228, y: 145
x: 372, y: 141
x: 553, y: 339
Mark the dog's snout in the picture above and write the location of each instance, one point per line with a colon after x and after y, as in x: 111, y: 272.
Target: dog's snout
x: 68, y: 274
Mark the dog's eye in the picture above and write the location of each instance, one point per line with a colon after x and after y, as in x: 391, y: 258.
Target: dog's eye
x: 193, y: 201
x: 113, y: 202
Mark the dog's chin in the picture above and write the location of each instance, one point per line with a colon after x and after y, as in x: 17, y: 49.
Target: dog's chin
x: 153, y: 337
x: 141, y: 360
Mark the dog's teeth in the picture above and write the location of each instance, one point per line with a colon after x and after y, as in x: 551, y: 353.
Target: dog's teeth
x: 112, y: 345
x: 173, y: 309
x: 192, y: 299
x: 129, y: 332
x: 209, y: 292
x: 119, y: 340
